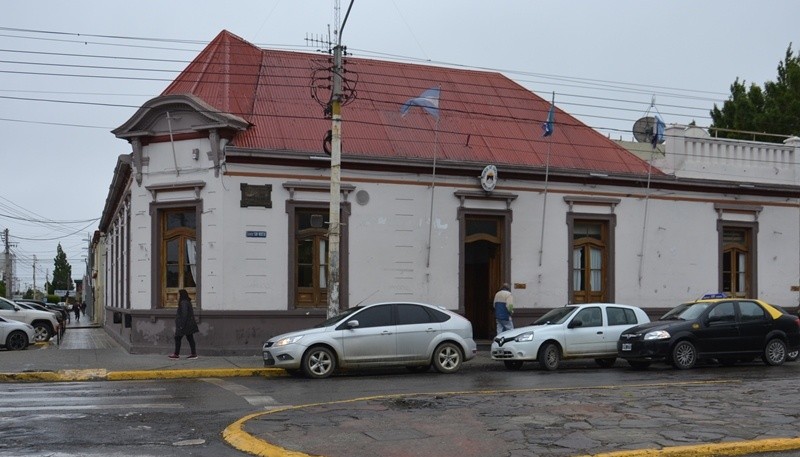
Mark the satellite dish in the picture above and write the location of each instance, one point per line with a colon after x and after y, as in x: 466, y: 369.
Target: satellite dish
x: 644, y: 129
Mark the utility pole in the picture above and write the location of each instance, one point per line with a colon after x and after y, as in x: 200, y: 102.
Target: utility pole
x: 7, y: 268
x: 334, y: 227
x: 34, y: 276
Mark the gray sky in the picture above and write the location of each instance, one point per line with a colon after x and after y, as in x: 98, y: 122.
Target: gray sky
x: 605, y: 61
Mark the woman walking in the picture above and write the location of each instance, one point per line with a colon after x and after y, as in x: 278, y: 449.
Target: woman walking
x: 185, y: 325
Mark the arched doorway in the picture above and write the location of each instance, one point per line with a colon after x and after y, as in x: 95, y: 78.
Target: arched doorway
x: 484, y: 268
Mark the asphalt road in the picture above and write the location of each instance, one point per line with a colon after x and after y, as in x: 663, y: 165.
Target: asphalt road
x: 143, y: 419
x: 187, y: 417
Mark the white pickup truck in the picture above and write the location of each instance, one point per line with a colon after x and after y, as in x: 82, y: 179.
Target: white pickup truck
x: 44, y: 323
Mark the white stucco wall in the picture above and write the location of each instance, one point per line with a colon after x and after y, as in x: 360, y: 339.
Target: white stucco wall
x: 388, y: 237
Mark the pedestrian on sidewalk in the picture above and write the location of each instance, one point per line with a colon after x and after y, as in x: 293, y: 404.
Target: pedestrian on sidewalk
x: 83, y: 308
x: 503, y: 308
x: 185, y: 325
x: 77, y: 308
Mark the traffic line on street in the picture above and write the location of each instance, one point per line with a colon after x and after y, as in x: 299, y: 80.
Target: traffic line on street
x: 29, y: 408
x: 136, y: 375
x: 251, y: 396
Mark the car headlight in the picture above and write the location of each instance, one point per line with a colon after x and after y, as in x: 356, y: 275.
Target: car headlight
x: 657, y: 335
x: 288, y: 340
x: 527, y: 336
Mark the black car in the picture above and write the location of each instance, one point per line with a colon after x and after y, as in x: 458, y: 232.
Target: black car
x: 726, y: 329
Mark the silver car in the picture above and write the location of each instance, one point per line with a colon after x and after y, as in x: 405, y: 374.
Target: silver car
x: 414, y: 335
x: 588, y: 330
x: 14, y: 335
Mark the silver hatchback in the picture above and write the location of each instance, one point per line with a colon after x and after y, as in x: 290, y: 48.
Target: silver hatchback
x: 414, y: 335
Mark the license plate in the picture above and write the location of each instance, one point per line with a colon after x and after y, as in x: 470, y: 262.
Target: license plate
x: 626, y: 346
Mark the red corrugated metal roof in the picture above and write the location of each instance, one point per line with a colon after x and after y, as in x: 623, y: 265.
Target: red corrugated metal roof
x: 484, y: 117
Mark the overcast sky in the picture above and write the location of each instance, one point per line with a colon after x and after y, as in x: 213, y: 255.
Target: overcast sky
x: 70, y: 72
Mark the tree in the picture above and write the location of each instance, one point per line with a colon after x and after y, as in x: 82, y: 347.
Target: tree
x: 774, y: 109
x: 62, y: 271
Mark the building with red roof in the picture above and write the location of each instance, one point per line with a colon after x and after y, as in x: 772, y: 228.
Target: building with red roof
x: 226, y: 194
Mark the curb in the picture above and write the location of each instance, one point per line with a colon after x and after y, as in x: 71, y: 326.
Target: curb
x: 132, y: 375
x: 237, y: 437
x: 716, y: 449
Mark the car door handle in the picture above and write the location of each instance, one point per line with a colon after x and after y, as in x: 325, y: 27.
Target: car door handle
x: 600, y: 332
x: 386, y: 332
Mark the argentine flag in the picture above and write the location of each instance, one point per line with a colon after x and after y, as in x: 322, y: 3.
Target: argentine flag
x: 428, y: 100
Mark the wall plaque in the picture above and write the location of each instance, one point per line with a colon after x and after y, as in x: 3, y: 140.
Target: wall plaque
x: 256, y: 195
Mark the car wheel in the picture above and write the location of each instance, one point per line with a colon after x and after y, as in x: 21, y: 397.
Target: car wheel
x: 792, y: 356
x: 513, y: 365
x: 606, y: 363
x: 17, y: 340
x: 774, y: 352
x: 318, y: 362
x: 639, y: 364
x: 447, y: 358
x: 549, y: 357
x: 418, y: 368
x: 684, y: 355
x: 42, y: 331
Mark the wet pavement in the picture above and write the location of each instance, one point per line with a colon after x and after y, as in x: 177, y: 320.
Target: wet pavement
x: 726, y: 415
x: 87, y: 352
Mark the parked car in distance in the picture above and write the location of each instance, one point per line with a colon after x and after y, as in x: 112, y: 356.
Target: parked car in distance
x: 414, y: 335
x: 33, y: 305
x: 50, y: 307
x: 15, y: 335
x: 588, y: 330
x: 44, y: 323
x: 726, y: 329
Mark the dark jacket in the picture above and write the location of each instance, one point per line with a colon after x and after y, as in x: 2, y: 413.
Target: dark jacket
x: 184, y: 320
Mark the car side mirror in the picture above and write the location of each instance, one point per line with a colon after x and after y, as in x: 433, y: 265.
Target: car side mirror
x: 575, y: 323
x: 352, y: 324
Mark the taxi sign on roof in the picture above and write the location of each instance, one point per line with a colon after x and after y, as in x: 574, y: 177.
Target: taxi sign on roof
x: 713, y: 296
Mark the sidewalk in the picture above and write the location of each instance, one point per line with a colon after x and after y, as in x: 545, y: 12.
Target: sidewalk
x: 87, y: 353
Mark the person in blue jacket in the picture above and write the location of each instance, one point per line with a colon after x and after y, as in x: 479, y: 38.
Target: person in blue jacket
x: 503, y: 308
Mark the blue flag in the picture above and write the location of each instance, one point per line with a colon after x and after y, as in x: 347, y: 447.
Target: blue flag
x: 428, y: 100
x: 658, y: 135
x: 548, y: 125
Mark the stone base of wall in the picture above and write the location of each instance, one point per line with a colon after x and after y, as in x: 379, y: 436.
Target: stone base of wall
x: 221, y: 332
x: 234, y: 332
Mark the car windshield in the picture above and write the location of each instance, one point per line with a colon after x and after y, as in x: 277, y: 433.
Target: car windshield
x: 556, y: 316
x: 332, y: 320
x: 686, y: 311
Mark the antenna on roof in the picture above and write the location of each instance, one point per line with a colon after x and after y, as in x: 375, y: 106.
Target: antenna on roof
x: 319, y: 41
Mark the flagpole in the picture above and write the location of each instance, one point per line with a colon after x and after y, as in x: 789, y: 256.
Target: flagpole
x: 546, y: 179
x: 433, y: 189
x: 644, y: 222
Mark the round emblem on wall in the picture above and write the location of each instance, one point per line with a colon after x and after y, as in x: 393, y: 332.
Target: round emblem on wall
x: 489, y: 178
